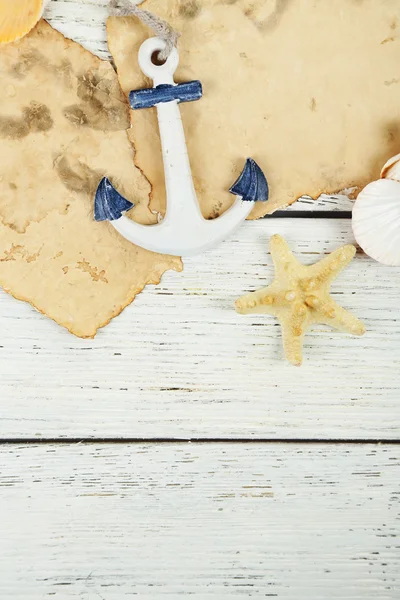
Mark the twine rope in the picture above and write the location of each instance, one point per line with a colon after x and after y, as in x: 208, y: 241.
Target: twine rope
x: 161, y: 28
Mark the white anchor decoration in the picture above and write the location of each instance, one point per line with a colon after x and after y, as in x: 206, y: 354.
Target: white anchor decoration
x: 183, y: 231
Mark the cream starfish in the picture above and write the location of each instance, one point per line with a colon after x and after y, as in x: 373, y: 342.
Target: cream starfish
x: 299, y: 296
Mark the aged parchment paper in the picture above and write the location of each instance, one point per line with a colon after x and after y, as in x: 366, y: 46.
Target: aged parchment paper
x: 308, y: 88
x: 63, y: 121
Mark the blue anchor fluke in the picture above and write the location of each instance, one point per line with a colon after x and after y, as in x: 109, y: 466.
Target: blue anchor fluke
x: 109, y: 204
x: 252, y: 184
x: 149, y: 97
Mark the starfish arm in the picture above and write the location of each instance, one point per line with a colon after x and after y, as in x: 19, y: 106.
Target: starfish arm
x: 294, y: 326
x: 327, y: 269
x: 260, y: 302
x: 282, y: 257
x: 331, y: 313
x: 292, y: 343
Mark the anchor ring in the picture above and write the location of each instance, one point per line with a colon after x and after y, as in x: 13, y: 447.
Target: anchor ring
x: 163, y: 73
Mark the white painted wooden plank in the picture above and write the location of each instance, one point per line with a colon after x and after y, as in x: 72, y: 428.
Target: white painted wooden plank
x: 84, y: 21
x: 210, y: 521
x: 325, y: 203
x: 179, y: 362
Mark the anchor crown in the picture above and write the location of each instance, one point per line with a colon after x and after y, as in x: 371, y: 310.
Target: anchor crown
x: 251, y: 186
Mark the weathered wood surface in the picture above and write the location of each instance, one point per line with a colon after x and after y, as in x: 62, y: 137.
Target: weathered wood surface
x: 179, y: 362
x: 210, y: 520
x: 287, y: 520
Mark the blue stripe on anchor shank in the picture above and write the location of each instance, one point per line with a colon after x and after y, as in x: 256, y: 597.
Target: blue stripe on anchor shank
x: 183, y: 92
x: 252, y: 184
x: 109, y: 204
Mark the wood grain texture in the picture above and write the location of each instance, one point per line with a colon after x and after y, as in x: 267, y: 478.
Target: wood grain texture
x: 287, y: 521
x: 83, y: 21
x: 180, y: 362
x: 209, y: 521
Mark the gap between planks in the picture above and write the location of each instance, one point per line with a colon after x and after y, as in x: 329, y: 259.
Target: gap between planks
x: 194, y: 441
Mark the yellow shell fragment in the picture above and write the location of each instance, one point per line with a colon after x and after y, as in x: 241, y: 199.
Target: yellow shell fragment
x: 391, y: 170
x: 18, y: 17
x: 290, y: 299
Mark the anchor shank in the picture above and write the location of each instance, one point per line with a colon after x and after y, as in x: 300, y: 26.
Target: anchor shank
x: 181, y: 195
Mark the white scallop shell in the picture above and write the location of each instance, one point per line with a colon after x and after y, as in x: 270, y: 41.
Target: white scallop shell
x: 392, y: 169
x: 376, y: 221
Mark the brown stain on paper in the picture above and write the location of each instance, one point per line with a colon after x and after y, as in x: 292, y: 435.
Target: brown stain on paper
x: 189, y: 9
x: 34, y: 59
x: 82, y: 179
x: 63, y: 122
x: 18, y: 251
x: 12, y: 253
x: 266, y: 15
x: 95, y: 110
x: 94, y: 272
x: 35, y: 118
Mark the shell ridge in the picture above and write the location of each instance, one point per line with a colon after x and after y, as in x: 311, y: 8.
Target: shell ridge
x: 376, y: 216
